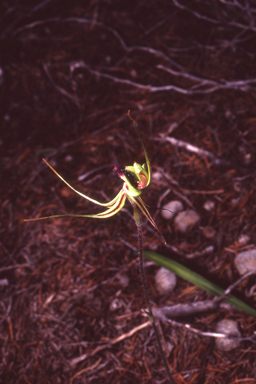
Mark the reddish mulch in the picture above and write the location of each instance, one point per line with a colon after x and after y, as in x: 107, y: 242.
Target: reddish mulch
x: 70, y: 71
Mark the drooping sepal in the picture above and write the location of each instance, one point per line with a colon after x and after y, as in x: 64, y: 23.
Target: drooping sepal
x: 141, y: 205
x: 116, y: 207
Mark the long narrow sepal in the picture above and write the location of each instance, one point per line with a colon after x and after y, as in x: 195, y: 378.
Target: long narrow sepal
x: 103, y: 215
x: 115, y: 208
x: 109, y: 204
x: 144, y: 149
x: 140, y: 204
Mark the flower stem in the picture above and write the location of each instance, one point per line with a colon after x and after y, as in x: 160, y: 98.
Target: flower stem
x: 144, y: 285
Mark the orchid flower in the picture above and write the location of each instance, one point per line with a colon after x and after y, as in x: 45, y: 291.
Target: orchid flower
x: 135, y: 177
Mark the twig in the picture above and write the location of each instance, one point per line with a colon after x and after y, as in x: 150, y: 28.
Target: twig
x: 242, y: 85
x: 75, y: 100
x: 248, y: 26
x: 192, y: 148
x: 87, y: 174
x: 180, y: 310
x: 206, y: 251
x: 197, y: 331
x: 202, y: 86
x: 80, y: 358
x: 7, y: 311
x: 90, y: 368
x: 232, y: 286
x: 14, y: 267
x: 211, y: 334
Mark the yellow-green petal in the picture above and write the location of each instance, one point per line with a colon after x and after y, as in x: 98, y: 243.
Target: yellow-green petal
x: 109, y: 204
x: 102, y: 215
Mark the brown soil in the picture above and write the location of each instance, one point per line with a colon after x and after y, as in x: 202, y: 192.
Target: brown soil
x: 70, y: 287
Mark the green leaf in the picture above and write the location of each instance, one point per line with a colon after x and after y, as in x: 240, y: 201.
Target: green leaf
x: 199, y: 281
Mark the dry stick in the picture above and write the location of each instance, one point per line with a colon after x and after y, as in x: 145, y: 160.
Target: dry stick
x: 211, y: 85
x: 192, y: 148
x: 144, y: 285
x: 245, y: 27
x: 232, y: 286
x: 164, y: 313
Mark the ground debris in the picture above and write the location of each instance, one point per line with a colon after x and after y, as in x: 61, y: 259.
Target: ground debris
x: 69, y: 73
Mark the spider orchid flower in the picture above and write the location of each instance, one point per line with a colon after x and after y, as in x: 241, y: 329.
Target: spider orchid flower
x: 136, y: 178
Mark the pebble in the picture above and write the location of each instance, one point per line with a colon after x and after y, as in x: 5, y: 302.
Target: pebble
x: 68, y: 158
x: 243, y: 239
x: 171, y: 208
x: 117, y: 303
x: 186, y: 220
x: 123, y: 280
x: 165, y: 281
x: 246, y: 262
x: 157, y: 176
x: 209, y: 205
x: 153, y: 246
x: 228, y: 327
x: 208, y: 232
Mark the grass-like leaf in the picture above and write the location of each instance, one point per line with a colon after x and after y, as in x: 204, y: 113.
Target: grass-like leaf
x: 199, y: 281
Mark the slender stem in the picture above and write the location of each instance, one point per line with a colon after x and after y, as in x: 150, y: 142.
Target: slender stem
x: 144, y: 285
x: 142, y: 273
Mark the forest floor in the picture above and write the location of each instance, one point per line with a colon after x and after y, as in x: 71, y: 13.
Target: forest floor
x: 71, y: 302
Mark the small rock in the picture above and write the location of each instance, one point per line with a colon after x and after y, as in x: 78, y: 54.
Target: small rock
x: 208, y: 232
x: 238, y: 186
x: 248, y: 158
x: 68, y: 158
x: 243, y: 239
x: 209, y: 205
x: 157, y: 176
x: 117, y: 303
x: 170, y: 209
x: 228, y: 327
x: 186, y: 220
x: 229, y: 114
x: 123, y: 280
x: 153, y: 246
x: 165, y: 281
x: 246, y: 262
